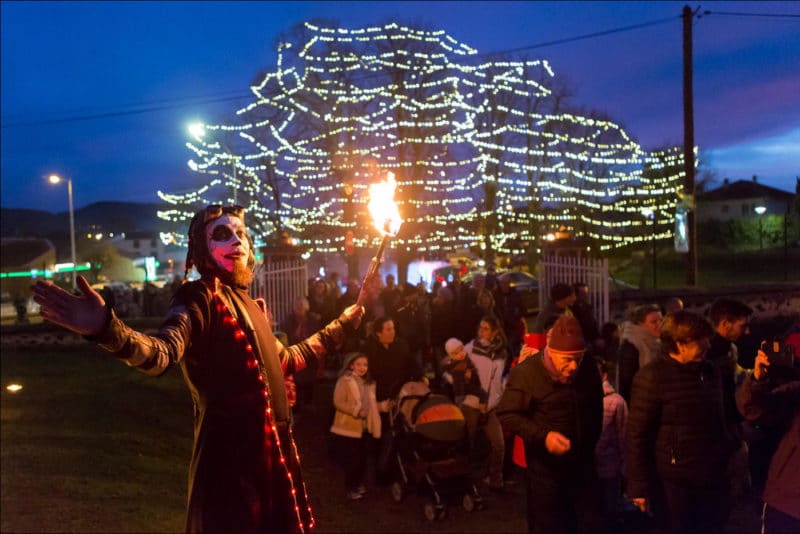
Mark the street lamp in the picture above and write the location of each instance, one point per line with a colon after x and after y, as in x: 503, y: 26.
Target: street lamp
x: 760, y: 210
x: 650, y: 213
x: 54, y: 179
x: 198, y: 131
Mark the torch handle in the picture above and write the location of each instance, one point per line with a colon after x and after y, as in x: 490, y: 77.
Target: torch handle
x: 373, y: 268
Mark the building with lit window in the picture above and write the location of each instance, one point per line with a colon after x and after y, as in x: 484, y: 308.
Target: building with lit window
x: 740, y: 200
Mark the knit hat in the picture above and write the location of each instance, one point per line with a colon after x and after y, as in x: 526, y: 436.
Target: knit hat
x: 561, y: 291
x: 453, y: 345
x: 566, y: 335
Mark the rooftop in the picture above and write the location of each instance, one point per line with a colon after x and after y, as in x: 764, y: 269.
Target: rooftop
x: 742, y: 189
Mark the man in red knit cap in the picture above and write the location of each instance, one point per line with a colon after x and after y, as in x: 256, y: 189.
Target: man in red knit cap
x: 554, y: 402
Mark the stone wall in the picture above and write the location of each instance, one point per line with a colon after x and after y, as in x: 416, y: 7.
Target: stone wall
x: 769, y: 302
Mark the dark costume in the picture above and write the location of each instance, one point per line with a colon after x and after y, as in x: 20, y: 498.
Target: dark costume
x: 245, y: 472
x: 562, y: 490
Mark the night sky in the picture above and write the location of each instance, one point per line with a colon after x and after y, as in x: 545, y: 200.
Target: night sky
x: 103, y: 91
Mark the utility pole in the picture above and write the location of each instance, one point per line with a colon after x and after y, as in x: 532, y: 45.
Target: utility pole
x: 688, y: 146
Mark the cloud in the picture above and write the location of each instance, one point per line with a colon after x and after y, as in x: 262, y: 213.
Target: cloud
x: 775, y: 159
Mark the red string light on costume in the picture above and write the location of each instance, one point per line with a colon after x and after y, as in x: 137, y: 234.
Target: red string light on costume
x: 269, y: 424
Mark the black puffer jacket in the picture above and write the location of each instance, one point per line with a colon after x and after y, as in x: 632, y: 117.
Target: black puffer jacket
x: 533, y: 404
x: 676, y: 426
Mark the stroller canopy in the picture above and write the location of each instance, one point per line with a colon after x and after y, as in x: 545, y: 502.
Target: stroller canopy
x: 432, y: 416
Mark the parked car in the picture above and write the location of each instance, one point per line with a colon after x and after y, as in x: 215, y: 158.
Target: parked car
x: 524, y: 283
x: 527, y: 286
x: 8, y: 308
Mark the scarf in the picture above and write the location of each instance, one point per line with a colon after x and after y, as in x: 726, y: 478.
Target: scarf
x: 552, y: 371
x: 494, y: 349
x: 646, y: 344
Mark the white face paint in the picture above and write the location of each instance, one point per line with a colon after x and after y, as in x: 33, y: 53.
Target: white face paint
x: 227, y: 242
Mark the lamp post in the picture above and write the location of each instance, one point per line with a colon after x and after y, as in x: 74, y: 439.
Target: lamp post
x: 760, y: 210
x: 55, y: 179
x: 198, y: 131
x: 650, y: 213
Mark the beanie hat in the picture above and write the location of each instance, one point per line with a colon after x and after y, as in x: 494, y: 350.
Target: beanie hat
x: 560, y: 291
x: 566, y: 335
x: 453, y: 345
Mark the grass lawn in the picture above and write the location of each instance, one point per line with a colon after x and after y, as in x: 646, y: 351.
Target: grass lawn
x: 89, y: 445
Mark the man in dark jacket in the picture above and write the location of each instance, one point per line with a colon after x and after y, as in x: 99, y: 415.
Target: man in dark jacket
x: 771, y: 396
x: 677, y: 445
x: 554, y: 402
x: 730, y: 318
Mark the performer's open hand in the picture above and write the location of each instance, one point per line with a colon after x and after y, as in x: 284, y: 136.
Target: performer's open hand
x: 557, y: 443
x: 84, y: 314
x: 352, y: 315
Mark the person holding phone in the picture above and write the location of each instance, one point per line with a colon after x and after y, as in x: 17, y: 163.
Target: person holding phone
x: 771, y: 397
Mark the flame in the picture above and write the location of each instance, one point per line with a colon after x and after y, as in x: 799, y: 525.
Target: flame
x: 382, y: 207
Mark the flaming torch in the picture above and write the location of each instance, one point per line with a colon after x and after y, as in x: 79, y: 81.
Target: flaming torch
x: 387, y: 221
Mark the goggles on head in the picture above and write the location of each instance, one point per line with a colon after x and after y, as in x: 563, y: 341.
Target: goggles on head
x: 215, y: 211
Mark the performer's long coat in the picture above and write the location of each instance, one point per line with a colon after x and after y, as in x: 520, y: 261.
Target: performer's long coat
x: 245, y: 473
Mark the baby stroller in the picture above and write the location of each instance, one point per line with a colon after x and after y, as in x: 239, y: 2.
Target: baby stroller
x: 429, y: 436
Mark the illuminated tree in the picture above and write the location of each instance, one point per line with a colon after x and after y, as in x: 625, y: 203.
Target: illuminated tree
x: 485, y: 154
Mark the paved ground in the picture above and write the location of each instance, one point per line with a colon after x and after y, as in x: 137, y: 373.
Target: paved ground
x: 379, y: 513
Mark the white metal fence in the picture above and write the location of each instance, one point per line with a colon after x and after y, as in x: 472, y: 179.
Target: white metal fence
x: 567, y: 270
x: 280, y: 283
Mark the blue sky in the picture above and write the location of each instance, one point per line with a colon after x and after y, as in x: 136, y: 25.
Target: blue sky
x: 63, y: 61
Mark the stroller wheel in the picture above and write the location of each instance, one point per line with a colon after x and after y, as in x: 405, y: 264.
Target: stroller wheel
x: 398, y: 492
x: 429, y: 509
x: 441, y: 512
x: 468, y: 502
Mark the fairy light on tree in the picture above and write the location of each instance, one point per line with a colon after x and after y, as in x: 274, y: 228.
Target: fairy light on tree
x: 485, y: 153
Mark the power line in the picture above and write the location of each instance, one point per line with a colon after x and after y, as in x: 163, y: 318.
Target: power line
x: 581, y: 37
x: 740, y: 14
x: 122, y: 113
x: 151, y: 109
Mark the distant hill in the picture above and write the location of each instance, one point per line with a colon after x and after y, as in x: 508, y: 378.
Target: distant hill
x: 98, y: 217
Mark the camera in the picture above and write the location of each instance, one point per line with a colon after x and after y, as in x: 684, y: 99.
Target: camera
x: 779, y: 354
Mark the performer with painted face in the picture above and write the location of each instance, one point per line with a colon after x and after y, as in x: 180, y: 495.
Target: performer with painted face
x: 245, y: 472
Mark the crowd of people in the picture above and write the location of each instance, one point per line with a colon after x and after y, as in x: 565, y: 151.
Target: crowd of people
x: 634, y: 422
x: 674, y: 442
